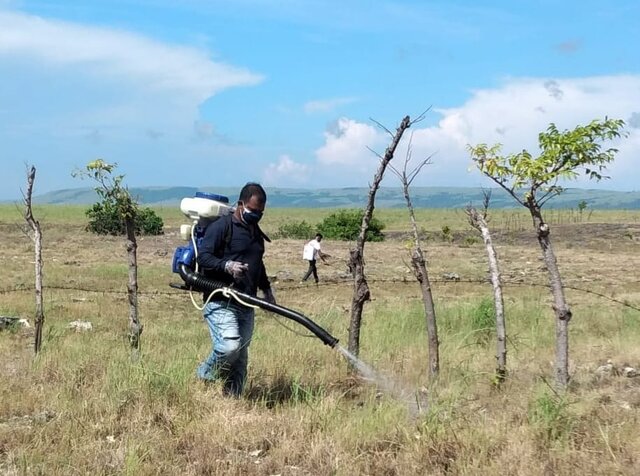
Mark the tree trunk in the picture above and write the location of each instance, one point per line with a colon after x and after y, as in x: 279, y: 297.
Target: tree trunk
x: 37, y: 240
x: 421, y: 274
x: 135, y: 328
x: 478, y: 221
x: 361, y: 292
x: 560, y: 306
x: 39, y: 321
x: 420, y: 271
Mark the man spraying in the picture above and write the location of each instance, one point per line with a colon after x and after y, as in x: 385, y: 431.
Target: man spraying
x: 231, y: 253
x: 311, y: 253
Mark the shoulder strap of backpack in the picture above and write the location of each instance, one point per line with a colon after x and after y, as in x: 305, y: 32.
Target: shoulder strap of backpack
x: 264, y: 236
x: 228, y: 232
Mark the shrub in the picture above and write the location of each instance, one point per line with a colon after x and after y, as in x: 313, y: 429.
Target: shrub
x: 297, y: 229
x: 148, y: 222
x: 345, y: 225
x: 471, y: 240
x: 447, y: 234
x: 105, y: 220
x: 549, y: 416
x: 483, y: 320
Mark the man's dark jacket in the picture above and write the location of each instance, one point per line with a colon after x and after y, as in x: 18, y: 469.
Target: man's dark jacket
x: 229, y: 239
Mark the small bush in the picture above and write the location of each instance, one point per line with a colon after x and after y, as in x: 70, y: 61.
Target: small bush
x: 483, y: 320
x: 104, y: 219
x: 447, y: 234
x: 471, y: 240
x: 549, y: 416
x: 298, y: 230
x: 345, y: 225
x: 148, y: 222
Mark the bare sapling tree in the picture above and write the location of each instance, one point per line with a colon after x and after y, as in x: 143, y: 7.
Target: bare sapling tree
x: 113, y: 192
x: 419, y: 262
x: 479, y: 220
x: 361, y: 292
x: 533, y: 181
x: 35, y: 233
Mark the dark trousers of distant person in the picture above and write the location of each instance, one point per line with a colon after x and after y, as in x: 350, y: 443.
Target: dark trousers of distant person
x: 312, y: 270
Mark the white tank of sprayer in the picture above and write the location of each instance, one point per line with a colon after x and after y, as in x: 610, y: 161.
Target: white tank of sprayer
x: 199, y: 207
x: 204, y: 205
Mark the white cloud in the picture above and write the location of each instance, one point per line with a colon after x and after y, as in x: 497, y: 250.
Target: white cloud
x: 286, y: 172
x: 119, y: 55
x: 97, y: 92
x: 513, y: 115
x: 327, y: 105
x: 346, y: 145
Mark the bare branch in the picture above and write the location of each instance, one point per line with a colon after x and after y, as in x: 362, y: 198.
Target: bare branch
x: 396, y: 171
x: 382, y: 127
x: 549, y: 194
x: 407, y: 157
x: 510, y: 191
x: 28, y: 214
x: 420, y: 116
x: 414, y: 173
x: 375, y: 153
x: 486, y: 199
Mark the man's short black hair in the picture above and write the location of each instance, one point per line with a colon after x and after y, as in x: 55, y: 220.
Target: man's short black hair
x: 253, y: 189
x: 319, y: 235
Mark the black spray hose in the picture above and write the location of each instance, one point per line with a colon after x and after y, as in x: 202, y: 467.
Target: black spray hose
x: 198, y: 282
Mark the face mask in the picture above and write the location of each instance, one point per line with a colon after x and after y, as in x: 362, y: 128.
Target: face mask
x: 250, y: 217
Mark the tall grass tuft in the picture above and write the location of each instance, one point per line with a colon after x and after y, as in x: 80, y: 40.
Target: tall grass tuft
x: 550, y: 418
x: 483, y: 320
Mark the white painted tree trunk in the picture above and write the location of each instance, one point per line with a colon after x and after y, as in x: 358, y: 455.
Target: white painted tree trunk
x: 478, y: 221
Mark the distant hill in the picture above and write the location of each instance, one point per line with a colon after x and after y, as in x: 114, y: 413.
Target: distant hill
x: 387, y: 197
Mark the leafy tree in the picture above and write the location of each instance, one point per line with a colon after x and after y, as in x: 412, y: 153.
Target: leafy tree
x: 345, y: 225
x: 532, y: 181
x: 118, y: 201
x: 105, y: 219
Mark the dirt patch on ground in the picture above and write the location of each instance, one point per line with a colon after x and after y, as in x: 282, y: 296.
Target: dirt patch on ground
x: 592, y: 235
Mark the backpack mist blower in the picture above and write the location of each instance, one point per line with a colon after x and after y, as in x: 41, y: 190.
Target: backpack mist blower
x: 204, y: 209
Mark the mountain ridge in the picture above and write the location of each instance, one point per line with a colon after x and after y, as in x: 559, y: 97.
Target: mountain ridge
x: 355, y: 197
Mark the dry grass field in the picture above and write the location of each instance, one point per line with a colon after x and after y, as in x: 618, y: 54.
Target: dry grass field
x: 83, y: 407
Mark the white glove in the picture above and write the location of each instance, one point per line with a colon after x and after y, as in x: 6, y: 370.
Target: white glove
x: 236, y: 269
x: 269, y: 296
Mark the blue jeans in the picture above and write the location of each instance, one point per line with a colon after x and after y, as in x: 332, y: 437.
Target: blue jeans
x: 231, y: 328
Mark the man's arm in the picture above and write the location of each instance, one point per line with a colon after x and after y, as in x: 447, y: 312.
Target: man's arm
x: 321, y: 255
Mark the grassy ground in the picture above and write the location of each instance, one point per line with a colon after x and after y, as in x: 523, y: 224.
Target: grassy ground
x: 82, y: 406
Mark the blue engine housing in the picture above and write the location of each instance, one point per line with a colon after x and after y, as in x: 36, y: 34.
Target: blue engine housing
x: 187, y: 254
x: 183, y: 255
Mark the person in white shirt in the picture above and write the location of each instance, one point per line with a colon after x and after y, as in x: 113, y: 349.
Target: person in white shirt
x: 311, y: 253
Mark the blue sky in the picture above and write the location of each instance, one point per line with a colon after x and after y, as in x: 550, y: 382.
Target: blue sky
x: 207, y: 92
